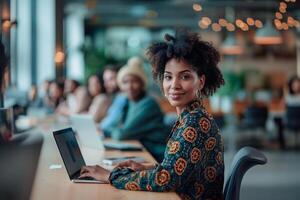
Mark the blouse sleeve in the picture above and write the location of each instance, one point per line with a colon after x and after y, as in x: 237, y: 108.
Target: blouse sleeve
x: 181, y: 157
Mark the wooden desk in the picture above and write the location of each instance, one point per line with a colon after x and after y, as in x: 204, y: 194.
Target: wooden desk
x: 55, y: 183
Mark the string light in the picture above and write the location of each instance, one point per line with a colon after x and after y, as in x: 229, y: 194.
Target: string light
x: 278, y: 15
x: 230, y: 27
x: 223, y: 22
x: 206, y: 21
x: 216, y: 27
x: 250, y: 21
x: 197, y: 7
x: 258, y: 23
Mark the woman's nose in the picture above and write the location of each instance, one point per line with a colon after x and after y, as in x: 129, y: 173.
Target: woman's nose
x: 175, y: 83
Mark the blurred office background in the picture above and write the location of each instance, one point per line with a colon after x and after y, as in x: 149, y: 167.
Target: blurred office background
x: 259, y: 41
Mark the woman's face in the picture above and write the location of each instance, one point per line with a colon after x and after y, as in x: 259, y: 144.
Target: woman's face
x: 54, y: 91
x: 180, y: 83
x: 94, y: 86
x: 296, y: 86
x: 110, y: 81
x: 132, y: 86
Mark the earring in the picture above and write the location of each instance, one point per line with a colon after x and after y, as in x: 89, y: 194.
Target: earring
x: 198, y: 94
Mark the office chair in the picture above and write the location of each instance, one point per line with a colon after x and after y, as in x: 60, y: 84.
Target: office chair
x: 292, y: 120
x: 255, y: 117
x: 252, y: 126
x: 19, y: 159
x: 243, y: 160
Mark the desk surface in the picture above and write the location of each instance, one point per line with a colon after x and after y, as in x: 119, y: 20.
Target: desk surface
x: 55, y: 183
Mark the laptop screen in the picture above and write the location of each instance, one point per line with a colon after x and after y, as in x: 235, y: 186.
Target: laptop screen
x: 69, y: 150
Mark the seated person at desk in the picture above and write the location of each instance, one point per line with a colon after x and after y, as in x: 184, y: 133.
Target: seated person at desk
x: 293, y: 96
x: 56, y: 89
x: 186, y: 68
x: 77, y: 98
x: 141, y: 117
x: 100, y: 101
x: 119, y: 99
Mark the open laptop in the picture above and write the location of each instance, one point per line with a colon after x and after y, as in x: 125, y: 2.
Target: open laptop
x: 86, y: 129
x: 71, y: 155
x: 88, y: 136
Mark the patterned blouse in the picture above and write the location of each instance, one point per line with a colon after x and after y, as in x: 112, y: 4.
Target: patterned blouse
x: 193, y: 161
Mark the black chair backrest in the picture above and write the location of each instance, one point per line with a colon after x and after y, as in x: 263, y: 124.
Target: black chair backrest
x: 19, y: 160
x: 256, y: 116
x: 292, y: 117
x: 243, y: 160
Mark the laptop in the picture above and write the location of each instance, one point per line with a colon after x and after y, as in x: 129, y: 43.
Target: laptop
x: 71, y: 155
x: 86, y: 129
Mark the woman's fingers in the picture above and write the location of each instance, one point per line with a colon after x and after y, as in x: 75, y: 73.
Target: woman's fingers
x: 125, y: 164
x: 85, y: 169
x: 85, y: 174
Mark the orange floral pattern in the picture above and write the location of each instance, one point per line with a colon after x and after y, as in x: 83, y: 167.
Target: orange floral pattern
x: 162, y: 177
x: 180, y: 166
x: 199, y: 189
x: 195, y: 155
x: 174, y: 147
x: 190, y: 134
x: 205, y: 124
x: 193, y: 164
x: 132, y: 186
x: 210, y: 174
x: 219, y: 158
x: 148, y: 187
x: 210, y: 143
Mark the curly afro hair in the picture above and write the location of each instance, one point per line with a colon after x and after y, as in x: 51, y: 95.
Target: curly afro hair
x: 187, y: 46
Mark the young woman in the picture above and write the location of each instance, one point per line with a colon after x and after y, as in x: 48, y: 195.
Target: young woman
x: 100, y: 101
x: 139, y: 108
x: 293, y: 96
x: 186, y: 68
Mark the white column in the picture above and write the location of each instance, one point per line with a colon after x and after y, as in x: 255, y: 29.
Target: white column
x: 24, y: 44
x: 74, y: 40
x: 45, y: 40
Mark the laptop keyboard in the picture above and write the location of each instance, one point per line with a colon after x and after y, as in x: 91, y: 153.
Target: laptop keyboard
x: 86, y: 178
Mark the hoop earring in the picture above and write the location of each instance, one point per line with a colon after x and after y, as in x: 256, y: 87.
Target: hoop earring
x: 198, y: 94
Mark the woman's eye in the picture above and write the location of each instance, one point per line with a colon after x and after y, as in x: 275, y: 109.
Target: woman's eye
x: 185, y: 77
x: 167, y: 77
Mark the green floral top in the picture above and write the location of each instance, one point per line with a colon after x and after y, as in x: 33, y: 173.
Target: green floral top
x: 193, y: 161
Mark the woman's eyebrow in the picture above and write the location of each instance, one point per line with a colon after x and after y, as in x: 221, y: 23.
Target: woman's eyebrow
x: 184, y: 71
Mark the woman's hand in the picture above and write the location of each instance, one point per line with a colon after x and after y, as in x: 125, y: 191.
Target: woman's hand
x: 135, y: 166
x: 96, y: 172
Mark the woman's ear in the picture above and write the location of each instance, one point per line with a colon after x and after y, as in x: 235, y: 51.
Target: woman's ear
x: 201, y: 81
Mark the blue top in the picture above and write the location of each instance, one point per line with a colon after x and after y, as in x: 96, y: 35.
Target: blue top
x: 193, y: 161
x: 113, y: 114
x: 141, y: 120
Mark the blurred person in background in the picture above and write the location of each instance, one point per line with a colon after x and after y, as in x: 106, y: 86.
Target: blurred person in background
x: 193, y: 166
x: 5, y: 130
x: 34, y: 100
x: 141, y: 118
x: 100, y: 101
x: 56, y: 92
x: 293, y: 96
x: 118, y: 99
x: 77, y: 98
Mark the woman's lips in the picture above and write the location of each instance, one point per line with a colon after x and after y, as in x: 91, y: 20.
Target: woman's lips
x: 176, y: 96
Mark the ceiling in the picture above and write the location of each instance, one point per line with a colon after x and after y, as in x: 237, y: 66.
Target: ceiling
x: 168, y: 13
